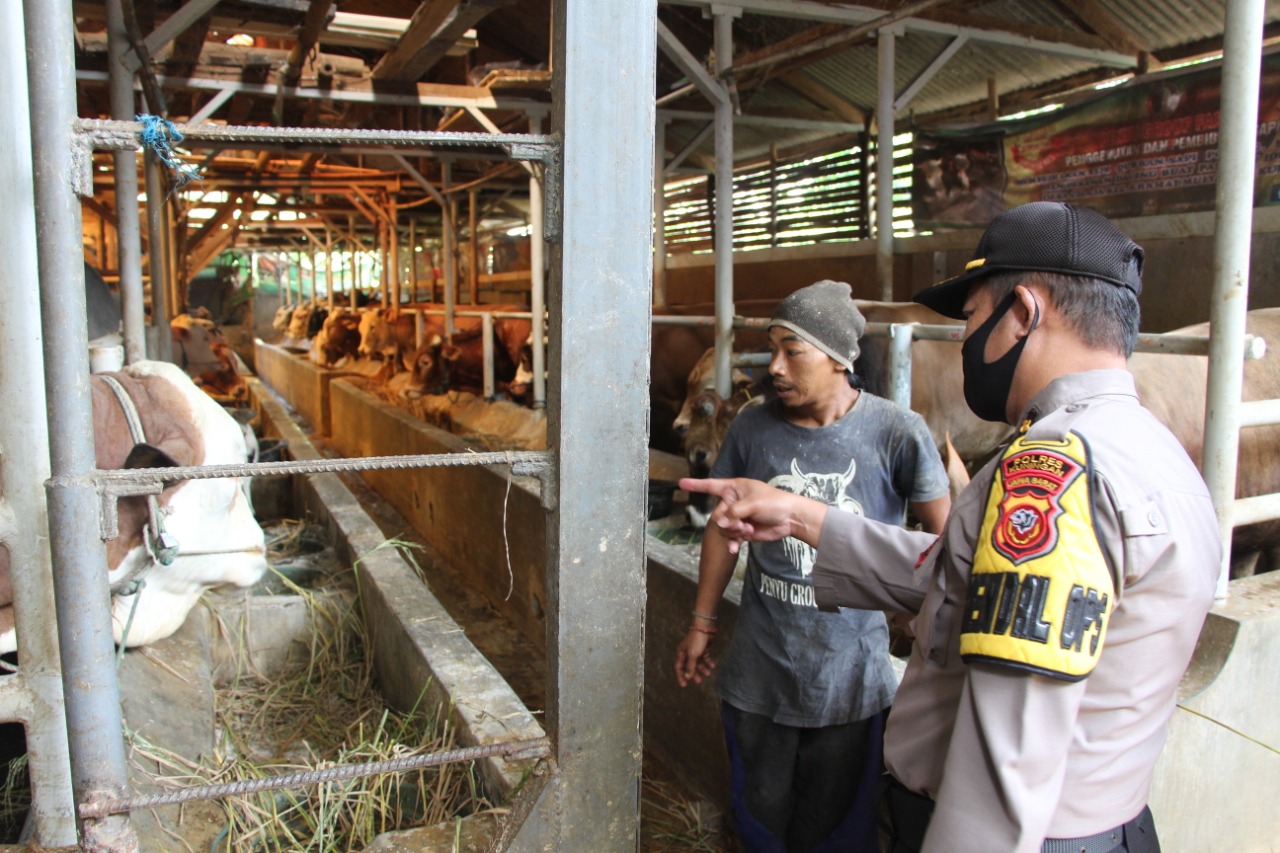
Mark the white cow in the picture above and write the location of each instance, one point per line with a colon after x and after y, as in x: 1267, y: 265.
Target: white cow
x: 218, y: 540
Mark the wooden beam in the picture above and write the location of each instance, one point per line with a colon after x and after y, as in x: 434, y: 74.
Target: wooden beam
x: 804, y: 85
x: 319, y: 13
x: 1039, y: 32
x: 146, y: 70
x: 1096, y: 17
x: 105, y: 212
x: 212, y: 238
x: 1012, y: 102
x: 173, y: 26
x: 434, y: 28
x: 356, y: 92
x: 823, y: 38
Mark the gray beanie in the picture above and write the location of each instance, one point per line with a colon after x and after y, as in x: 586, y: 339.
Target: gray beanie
x: 824, y: 315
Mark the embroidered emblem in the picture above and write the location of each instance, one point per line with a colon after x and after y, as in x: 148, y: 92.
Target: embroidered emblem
x: 1040, y: 589
x: 1034, y: 482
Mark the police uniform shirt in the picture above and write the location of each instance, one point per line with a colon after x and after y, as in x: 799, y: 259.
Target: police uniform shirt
x: 1056, y: 615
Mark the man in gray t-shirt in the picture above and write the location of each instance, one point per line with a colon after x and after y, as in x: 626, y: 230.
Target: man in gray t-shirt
x: 804, y: 691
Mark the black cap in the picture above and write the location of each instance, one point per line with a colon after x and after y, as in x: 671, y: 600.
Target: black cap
x: 1043, y: 236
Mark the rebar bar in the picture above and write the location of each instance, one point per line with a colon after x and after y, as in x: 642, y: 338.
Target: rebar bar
x: 517, y: 750
x: 523, y: 463
x: 102, y: 134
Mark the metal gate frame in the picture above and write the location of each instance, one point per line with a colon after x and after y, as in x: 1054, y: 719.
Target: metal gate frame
x: 597, y: 464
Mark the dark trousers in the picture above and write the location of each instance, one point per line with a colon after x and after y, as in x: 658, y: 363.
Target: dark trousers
x: 803, y: 790
x: 903, y: 817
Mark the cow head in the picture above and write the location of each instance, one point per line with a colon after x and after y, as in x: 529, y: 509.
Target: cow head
x: 194, y: 343
x: 710, y: 417
x: 371, y: 335
x: 299, y: 320
x: 429, y: 368
x: 343, y: 340
x: 702, y: 378
x: 218, y: 539
x: 520, y: 388
x: 281, y: 320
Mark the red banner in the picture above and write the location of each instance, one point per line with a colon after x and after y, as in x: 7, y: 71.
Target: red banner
x: 1145, y: 149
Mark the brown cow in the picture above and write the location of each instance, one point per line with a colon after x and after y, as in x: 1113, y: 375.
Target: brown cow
x: 709, y: 418
x: 937, y: 387
x: 386, y: 334
x: 1173, y: 388
x: 703, y: 378
x: 217, y: 538
x: 676, y: 349
x: 202, y: 351
x: 299, y: 320
x: 439, y: 365
x: 937, y: 394
x: 338, y: 340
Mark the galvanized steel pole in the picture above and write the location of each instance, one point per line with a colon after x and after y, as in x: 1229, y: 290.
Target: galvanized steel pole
x: 128, y: 226
x: 450, y: 239
x: 603, y: 110
x: 659, y: 214
x: 331, y: 286
x: 538, y: 275
x: 884, y: 162
x: 33, y: 695
x: 393, y: 250
x: 723, y: 26
x: 94, y: 725
x: 900, y: 337
x: 156, y: 257
x: 1233, y: 236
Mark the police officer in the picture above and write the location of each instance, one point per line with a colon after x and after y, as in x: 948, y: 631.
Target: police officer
x: 1060, y: 606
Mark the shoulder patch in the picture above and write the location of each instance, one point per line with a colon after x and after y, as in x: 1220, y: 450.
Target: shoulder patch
x: 1040, y: 591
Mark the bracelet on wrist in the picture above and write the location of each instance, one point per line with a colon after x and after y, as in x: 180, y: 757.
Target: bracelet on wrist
x: 705, y: 616
x: 701, y: 630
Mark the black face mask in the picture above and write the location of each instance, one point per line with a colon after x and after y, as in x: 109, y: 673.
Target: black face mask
x: 987, y: 384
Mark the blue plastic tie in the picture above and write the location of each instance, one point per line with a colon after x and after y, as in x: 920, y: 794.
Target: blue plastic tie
x: 160, y: 135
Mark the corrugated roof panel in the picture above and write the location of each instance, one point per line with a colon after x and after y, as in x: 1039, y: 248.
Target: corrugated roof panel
x: 853, y: 73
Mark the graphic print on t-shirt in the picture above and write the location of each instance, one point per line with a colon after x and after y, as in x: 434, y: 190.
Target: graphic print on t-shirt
x: 828, y: 488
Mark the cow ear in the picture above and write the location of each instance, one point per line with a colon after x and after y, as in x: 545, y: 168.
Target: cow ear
x: 148, y: 456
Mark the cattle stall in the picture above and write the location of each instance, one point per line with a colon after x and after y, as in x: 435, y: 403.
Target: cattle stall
x: 565, y: 675
x: 588, y: 798
x: 424, y: 662
x: 487, y: 529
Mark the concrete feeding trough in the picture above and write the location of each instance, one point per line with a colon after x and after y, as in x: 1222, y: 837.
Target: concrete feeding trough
x: 491, y: 528
x: 421, y: 657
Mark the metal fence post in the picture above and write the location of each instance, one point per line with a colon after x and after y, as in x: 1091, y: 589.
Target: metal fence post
x: 33, y: 695
x: 597, y: 417
x: 1233, y: 234
x: 900, y: 338
x: 94, y: 724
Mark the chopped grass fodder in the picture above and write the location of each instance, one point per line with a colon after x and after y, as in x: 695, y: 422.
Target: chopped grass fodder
x: 670, y: 822
x: 324, y: 710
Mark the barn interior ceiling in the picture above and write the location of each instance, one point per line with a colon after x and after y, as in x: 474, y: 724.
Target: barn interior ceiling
x: 803, y: 73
